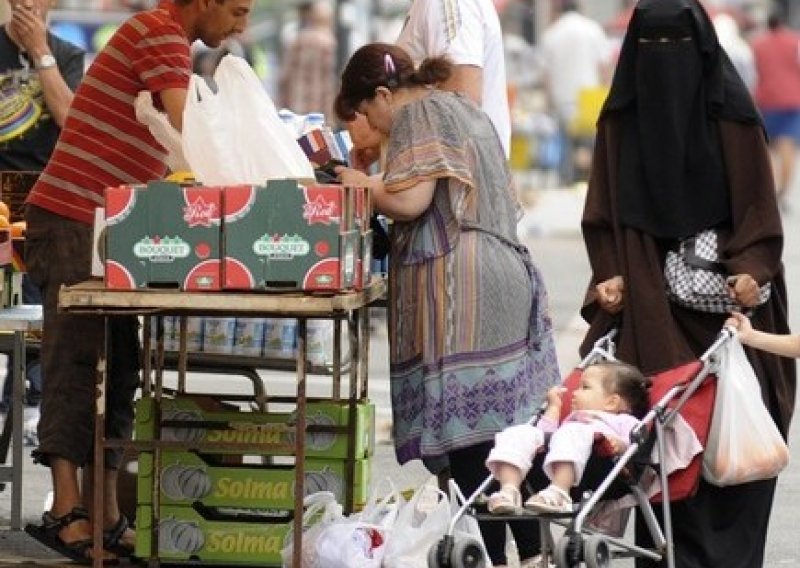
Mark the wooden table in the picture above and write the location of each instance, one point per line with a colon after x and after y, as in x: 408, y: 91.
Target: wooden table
x: 352, y: 306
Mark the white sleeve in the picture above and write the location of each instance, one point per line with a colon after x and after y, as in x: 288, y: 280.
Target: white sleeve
x: 466, y: 48
x: 426, y: 31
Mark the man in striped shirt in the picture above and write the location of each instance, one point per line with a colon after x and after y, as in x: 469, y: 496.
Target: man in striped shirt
x: 102, y: 145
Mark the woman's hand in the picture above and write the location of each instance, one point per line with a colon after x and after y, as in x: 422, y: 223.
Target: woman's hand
x: 743, y: 288
x: 610, y: 294
x: 352, y: 177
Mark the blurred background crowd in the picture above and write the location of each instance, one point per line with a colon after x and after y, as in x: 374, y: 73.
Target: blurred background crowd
x: 560, y: 54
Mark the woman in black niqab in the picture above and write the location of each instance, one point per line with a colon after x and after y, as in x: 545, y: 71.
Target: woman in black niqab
x: 680, y: 148
x: 672, y: 83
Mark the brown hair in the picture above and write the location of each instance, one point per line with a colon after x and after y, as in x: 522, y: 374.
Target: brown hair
x: 629, y: 383
x: 384, y: 65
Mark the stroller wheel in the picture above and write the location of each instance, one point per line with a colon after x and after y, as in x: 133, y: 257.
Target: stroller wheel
x: 567, y: 551
x: 595, y: 552
x: 467, y: 553
x: 434, y: 557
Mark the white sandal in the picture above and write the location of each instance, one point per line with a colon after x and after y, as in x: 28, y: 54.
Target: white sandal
x: 506, y: 501
x: 551, y: 499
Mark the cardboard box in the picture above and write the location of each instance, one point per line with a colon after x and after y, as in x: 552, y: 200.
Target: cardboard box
x: 230, y: 538
x: 163, y: 235
x: 186, y: 478
x: 288, y: 236
x: 326, y: 435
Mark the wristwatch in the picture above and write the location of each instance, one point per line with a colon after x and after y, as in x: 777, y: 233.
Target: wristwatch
x: 45, y: 62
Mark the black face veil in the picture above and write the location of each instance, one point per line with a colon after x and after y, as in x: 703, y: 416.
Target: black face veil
x: 672, y: 85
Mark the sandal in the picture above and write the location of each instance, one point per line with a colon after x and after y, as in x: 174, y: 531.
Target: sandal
x: 112, y: 538
x: 47, y: 534
x: 506, y: 501
x: 551, y: 499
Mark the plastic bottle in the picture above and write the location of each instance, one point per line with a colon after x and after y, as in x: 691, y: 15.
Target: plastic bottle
x: 313, y: 121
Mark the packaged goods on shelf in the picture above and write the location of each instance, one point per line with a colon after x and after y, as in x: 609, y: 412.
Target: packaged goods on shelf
x: 219, y: 335
x: 250, y: 337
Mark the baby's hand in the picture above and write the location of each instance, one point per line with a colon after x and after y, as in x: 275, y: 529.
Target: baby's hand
x: 617, y: 446
x: 554, y: 396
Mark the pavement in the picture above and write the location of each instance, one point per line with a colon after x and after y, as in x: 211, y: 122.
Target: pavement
x: 549, y: 228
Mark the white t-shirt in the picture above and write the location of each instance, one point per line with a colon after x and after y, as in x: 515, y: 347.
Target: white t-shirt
x: 574, y: 49
x: 467, y: 31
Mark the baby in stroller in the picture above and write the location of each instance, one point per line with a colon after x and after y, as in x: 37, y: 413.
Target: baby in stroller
x: 611, y: 400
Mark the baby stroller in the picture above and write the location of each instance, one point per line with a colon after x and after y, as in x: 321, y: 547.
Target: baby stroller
x: 680, y: 395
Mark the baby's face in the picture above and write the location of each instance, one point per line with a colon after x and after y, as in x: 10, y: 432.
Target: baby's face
x: 590, y: 394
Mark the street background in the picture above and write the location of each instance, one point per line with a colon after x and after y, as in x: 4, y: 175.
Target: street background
x: 550, y: 229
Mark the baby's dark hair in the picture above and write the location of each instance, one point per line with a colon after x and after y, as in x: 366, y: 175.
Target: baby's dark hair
x: 629, y: 383
x: 384, y: 65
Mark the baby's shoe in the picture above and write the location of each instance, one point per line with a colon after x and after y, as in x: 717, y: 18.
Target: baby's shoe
x: 507, y: 500
x: 551, y: 499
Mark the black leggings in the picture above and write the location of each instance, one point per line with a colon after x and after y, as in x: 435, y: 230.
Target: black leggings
x: 468, y: 469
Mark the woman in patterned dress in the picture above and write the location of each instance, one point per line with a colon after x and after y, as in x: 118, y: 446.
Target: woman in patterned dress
x: 471, y: 339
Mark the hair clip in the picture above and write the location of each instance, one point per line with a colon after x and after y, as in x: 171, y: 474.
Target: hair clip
x: 392, y: 80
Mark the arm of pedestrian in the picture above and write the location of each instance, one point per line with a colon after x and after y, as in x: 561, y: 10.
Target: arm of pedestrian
x: 468, y: 80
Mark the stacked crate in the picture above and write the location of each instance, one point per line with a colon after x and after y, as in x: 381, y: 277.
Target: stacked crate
x: 221, y: 504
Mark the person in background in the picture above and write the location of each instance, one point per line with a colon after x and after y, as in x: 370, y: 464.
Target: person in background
x: 777, y: 56
x: 576, y: 56
x: 783, y: 344
x: 680, y: 149
x: 469, y: 33
x: 307, y: 80
x: 737, y: 48
x: 39, y: 73
x: 102, y: 144
x: 468, y: 317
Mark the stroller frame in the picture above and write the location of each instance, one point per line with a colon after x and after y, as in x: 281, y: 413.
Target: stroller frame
x: 581, y: 544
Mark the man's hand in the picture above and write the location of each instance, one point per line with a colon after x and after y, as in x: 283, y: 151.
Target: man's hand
x: 28, y: 27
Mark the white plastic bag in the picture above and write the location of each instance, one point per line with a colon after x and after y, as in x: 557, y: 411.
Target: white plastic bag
x: 420, y: 524
x: 744, y: 444
x: 235, y: 135
x: 359, y: 541
x: 321, y: 510
x: 162, y: 130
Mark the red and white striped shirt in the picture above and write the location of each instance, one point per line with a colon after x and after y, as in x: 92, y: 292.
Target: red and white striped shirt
x: 102, y: 144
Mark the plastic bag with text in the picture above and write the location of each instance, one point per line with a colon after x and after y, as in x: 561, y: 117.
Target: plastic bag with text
x: 744, y: 444
x: 420, y: 524
x: 235, y: 135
